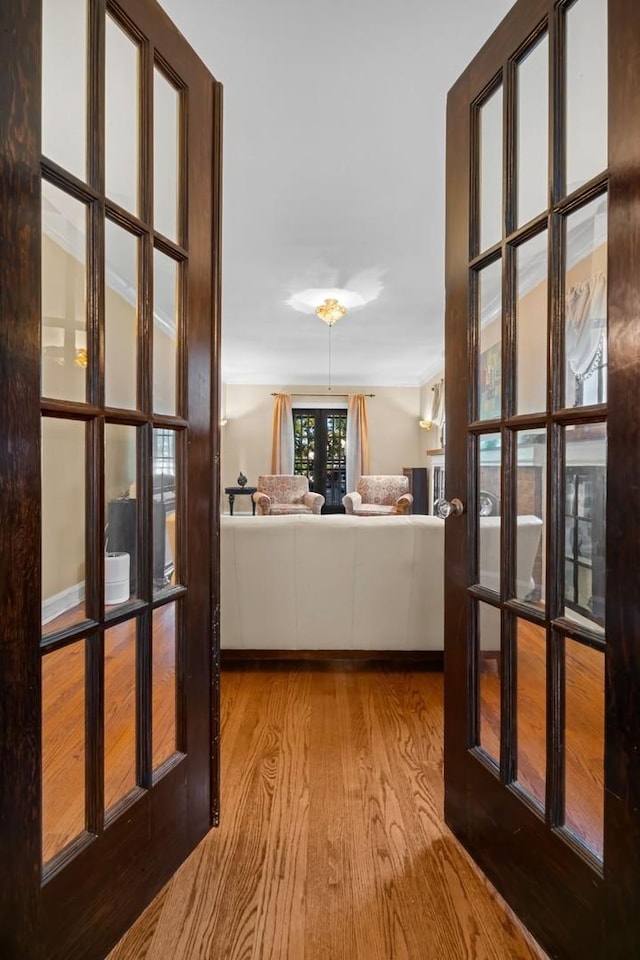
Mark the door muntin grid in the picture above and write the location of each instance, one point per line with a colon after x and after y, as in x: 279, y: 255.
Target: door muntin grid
x: 551, y: 418
x: 102, y: 276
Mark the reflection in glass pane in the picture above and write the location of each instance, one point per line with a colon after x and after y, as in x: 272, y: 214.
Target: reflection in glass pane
x: 586, y: 45
x: 122, y: 134
x: 165, y: 333
x: 63, y: 523
x: 531, y: 325
x: 489, y: 520
x: 164, y: 694
x: 63, y: 748
x: 64, y: 84
x: 64, y: 313
x: 531, y: 480
x: 166, y: 156
x: 121, y: 317
x: 585, y: 523
x: 165, y: 521
x: 533, y: 132
x: 489, y: 667
x: 584, y: 744
x: 531, y: 706
x: 119, y: 712
x: 490, y: 342
x: 120, y: 484
x: 491, y: 163
x: 586, y: 305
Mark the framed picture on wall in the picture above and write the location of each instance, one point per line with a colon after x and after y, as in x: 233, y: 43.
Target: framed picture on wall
x: 490, y: 380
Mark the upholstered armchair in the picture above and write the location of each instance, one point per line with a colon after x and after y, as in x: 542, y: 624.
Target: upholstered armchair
x: 378, y: 496
x: 280, y: 493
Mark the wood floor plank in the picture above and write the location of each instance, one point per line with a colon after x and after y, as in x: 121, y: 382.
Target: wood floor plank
x: 332, y: 844
x: 330, y: 874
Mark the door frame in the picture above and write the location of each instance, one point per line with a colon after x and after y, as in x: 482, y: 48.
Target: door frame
x: 33, y: 913
x: 505, y: 851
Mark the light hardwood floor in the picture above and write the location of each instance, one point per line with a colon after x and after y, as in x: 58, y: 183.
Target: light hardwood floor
x: 332, y: 843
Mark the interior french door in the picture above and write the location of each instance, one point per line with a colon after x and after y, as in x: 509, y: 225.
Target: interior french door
x: 109, y: 328
x: 542, y: 716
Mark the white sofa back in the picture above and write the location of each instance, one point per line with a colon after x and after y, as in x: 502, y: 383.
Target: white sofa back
x: 350, y: 583
x: 332, y: 583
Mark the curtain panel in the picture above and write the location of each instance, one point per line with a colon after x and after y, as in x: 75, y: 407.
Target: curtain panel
x: 357, y: 440
x: 586, y: 312
x: 283, y: 443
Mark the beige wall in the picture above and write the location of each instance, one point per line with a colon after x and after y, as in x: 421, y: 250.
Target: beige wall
x: 396, y: 439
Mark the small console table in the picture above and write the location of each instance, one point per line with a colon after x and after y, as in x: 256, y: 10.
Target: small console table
x: 233, y: 492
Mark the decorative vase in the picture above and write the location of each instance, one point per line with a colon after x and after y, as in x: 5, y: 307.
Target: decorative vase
x: 242, y: 480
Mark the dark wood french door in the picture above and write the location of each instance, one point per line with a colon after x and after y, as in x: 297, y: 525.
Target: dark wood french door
x: 110, y: 140
x: 320, y: 453
x: 542, y: 608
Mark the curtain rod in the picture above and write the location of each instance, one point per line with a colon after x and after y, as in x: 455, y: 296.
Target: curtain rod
x: 326, y: 395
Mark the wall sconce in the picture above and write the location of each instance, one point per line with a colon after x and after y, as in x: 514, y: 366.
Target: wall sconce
x: 223, y: 422
x: 426, y: 424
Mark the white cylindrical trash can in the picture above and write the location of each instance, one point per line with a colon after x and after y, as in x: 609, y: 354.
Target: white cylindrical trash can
x: 116, y: 578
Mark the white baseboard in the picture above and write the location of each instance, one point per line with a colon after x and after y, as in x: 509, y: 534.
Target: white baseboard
x: 59, y: 603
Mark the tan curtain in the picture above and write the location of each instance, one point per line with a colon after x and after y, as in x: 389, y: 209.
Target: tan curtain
x: 282, y: 449
x: 357, y: 440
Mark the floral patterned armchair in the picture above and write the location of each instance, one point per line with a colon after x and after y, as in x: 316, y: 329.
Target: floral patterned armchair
x: 377, y: 496
x: 282, y: 493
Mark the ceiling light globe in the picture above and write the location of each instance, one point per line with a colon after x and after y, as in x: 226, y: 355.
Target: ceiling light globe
x: 330, y: 311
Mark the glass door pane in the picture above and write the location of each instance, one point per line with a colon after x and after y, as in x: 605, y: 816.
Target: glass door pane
x: 531, y: 709
x: 531, y: 500
x: 166, y: 333
x: 490, y: 342
x: 63, y: 523
x: 64, y: 83
x: 63, y: 748
x: 531, y: 310
x: 64, y: 298
x: 491, y: 166
x: 121, y: 317
x: 489, y: 510
x: 121, y: 548
x: 489, y: 653
x: 120, y: 690
x: 584, y: 744
x: 122, y: 124
x: 533, y: 132
x: 586, y: 305
x: 166, y: 156
x: 586, y: 32
x: 164, y: 689
x: 585, y: 524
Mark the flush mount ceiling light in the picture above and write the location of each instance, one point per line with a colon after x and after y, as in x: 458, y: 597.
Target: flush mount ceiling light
x: 362, y: 288
x: 330, y: 311
x: 313, y: 298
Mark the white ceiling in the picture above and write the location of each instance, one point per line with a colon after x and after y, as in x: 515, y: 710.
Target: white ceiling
x: 333, y: 165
